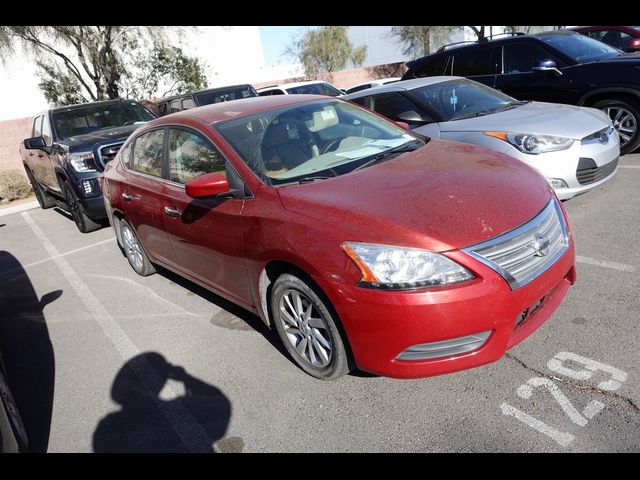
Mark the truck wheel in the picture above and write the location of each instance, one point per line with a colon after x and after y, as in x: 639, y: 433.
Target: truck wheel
x: 83, y: 222
x: 625, y: 115
x: 44, y: 199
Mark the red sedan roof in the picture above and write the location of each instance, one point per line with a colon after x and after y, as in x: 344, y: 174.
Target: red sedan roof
x: 218, y: 112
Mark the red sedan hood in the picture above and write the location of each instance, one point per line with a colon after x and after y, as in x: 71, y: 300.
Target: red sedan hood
x: 443, y: 196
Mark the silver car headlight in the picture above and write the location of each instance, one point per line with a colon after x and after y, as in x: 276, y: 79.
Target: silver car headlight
x: 533, y: 144
x: 81, y: 161
x: 402, y: 268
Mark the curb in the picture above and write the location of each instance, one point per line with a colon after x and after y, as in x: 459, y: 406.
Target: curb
x: 19, y: 208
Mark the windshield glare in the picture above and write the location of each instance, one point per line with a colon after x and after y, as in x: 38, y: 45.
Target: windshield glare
x: 80, y: 121
x: 316, y: 139
x: 580, y: 48
x: 316, y: 89
x: 461, y: 98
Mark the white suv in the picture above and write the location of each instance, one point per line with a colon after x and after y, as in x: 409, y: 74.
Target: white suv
x: 314, y: 87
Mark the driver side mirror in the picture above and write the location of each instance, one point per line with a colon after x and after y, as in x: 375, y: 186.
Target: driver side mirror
x: 633, y: 46
x: 35, y: 143
x: 207, y: 185
x: 546, y: 65
x: 410, y: 117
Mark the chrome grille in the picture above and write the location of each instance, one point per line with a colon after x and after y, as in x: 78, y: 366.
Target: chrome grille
x: 108, y: 152
x: 522, y: 254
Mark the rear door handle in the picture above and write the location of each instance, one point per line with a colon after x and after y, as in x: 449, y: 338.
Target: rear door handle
x: 172, y: 212
x: 126, y: 197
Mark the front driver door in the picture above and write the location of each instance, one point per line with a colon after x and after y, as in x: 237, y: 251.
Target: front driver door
x: 206, y: 233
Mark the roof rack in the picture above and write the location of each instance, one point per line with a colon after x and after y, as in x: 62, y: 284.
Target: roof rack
x: 484, y: 39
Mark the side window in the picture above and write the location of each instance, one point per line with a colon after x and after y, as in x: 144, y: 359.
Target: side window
x: 147, y: 153
x: 522, y: 57
x: 360, y: 101
x: 37, y: 127
x: 277, y: 91
x: 392, y: 104
x: 174, y: 106
x: 46, y: 130
x: 188, y: 103
x: 432, y: 67
x: 163, y: 109
x: 125, y: 154
x: 190, y: 155
x: 473, y: 62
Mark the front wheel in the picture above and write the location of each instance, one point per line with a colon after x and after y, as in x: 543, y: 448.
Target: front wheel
x: 625, y: 116
x: 308, y: 329
x: 83, y: 222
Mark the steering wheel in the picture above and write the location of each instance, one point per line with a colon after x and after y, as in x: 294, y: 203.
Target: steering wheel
x: 327, y: 146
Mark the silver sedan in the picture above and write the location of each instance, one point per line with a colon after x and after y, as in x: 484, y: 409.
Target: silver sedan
x: 575, y: 148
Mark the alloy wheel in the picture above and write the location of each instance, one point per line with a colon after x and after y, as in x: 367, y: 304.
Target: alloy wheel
x: 132, y: 247
x: 624, y: 121
x: 305, y: 328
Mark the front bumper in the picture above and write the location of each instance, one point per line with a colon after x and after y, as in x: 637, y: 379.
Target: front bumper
x: 382, y: 324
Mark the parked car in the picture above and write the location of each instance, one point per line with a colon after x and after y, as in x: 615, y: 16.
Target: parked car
x: 314, y: 87
x: 185, y: 101
x: 68, y: 150
x: 575, y: 148
x: 626, y: 39
x: 360, y: 243
x: 559, y: 66
x: 371, y: 84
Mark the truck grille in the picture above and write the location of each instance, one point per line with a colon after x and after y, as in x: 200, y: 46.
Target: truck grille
x: 108, y: 152
x: 588, y: 172
x: 524, y: 253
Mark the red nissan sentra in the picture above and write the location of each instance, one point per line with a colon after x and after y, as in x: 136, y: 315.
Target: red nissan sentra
x: 364, y: 245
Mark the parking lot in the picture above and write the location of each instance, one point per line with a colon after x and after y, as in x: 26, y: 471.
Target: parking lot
x: 102, y: 359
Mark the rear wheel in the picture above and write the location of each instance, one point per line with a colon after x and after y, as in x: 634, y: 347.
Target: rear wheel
x: 83, y: 222
x: 625, y: 115
x: 44, y: 199
x: 134, y: 252
x: 308, y: 329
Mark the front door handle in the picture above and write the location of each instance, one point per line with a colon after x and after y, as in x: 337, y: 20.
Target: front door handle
x: 126, y: 197
x: 172, y: 212
x: 40, y: 155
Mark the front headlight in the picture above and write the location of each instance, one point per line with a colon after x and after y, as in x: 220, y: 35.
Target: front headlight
x: 401, y: 268
x: 533, y: 144
x: 81, y: 161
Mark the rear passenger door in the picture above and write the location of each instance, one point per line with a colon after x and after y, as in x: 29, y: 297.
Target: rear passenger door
x: 479, y: 64
x: 520, y: 81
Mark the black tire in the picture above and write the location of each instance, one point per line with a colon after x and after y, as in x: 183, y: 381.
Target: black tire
x: 633, y: 108
x: 83, y: 222
x: 134, y: 251
x: 313, y: 338
x: 44, y: 199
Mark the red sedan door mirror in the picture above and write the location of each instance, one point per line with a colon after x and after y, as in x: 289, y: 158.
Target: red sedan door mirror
x: 634, y: 45
x: 207, y: 185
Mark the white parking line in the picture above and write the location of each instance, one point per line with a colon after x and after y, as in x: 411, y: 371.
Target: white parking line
x: 637, y: 167
x: 606, y: 264
x: 183, y: 423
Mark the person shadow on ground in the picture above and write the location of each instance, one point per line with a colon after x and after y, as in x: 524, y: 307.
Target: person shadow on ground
x: 185, y: 414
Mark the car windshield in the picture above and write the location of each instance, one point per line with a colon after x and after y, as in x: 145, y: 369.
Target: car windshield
x: 314, y: 140
x: 316, y: 89
x: 461, y: 98
x: 83, y: 120
x: 580, y: 48
x: 224, y: 95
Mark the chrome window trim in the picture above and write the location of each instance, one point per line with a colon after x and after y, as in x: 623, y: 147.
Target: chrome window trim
x: 530, y: 226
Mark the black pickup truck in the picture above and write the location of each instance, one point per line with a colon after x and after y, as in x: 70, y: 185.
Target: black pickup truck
x: 68, y: 150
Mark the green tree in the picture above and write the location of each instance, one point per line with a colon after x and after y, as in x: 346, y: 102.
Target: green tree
x: 88, y: 63
x: 326, y: 50
x: 419, y: 40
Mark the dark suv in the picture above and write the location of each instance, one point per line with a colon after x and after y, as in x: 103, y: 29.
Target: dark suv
x: 560, y: 66
x: 68, y: 150
x: 185, y: 101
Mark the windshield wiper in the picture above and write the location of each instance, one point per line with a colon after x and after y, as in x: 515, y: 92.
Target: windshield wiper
x: 470, y: 115
x: 313, y: 178
x: 405, y: 147
x: 511, y: 105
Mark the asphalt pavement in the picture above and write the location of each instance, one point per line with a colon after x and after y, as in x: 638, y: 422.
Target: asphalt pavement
x: 101, y: 359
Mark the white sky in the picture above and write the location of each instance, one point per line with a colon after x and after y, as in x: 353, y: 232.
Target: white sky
x: 232, y: 54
